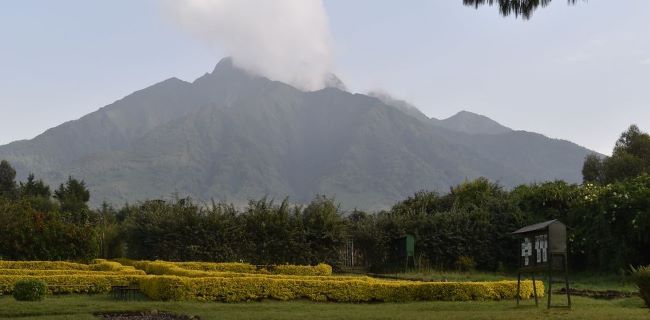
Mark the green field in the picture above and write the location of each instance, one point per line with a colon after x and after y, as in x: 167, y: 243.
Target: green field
x: 83, y: 307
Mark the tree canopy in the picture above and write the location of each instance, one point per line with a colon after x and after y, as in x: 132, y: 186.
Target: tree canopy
x: 34, y: 188
x: 630, y: 158
x: 7, y: 180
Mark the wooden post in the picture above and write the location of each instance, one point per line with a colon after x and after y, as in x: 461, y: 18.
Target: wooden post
x: 518, y: 287
x: 550, y: 280
x: 566, y: 279
x: 535, y: 290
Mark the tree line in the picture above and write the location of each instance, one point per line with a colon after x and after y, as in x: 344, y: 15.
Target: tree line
x: 469, y: 227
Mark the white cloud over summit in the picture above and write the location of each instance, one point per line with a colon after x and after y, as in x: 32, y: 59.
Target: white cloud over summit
x: 284, y: 40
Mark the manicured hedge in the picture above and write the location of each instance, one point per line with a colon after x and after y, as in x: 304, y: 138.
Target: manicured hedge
x: 257, y: 288
x: 43, y: 265
x: 218, y: 266
x: 177, y: 269
x: 97, y: 265
x: 58, y: 284
x: 105, y: 265
x: 319, y: 270
x: 27, y: 272
x: 286, y: 269
x: 207, y: 282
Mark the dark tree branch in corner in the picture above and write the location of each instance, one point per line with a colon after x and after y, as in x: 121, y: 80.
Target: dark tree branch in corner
x: 523, y: 8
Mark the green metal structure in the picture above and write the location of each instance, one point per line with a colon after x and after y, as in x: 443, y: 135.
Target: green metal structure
x: 403, y: 253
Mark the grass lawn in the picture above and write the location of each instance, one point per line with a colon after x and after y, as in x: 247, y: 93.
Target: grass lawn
x: 83, y: 306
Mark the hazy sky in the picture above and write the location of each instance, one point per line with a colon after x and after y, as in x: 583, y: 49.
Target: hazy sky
x: 580, y: 73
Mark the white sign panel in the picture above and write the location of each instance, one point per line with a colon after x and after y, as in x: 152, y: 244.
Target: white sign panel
x: 541, y: 248
x: 526, y: 251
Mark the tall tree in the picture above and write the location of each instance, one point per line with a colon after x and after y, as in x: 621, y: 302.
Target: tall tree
x: 622, y: 166
x: 7, y: 180
x: 325, y: 228
x: 523, y: 8
x: 635, y: 143
x: 630, y: 158
x: 73, y: 197
x: 34, y: 188
x: 592, y: 169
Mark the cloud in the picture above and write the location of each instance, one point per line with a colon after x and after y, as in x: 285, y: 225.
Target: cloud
x: 284, y: 40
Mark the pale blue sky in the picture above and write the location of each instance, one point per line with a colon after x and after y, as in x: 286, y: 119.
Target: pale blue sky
x: 580, y: 73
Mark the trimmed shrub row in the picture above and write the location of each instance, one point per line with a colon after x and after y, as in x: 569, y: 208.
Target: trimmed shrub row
x: 218, y: 266
x: 43, y: 265
x: 286, y: 269
x: 319, y: 270
x: 112, y: 266
x: 21, y: 272
x: 59, y: 284
x: 205, y: 282
x: 176, y: 269
x: 256, y: 288
x: 97, y: 265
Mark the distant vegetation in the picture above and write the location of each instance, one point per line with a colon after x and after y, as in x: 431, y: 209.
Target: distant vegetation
x: 608, y: 216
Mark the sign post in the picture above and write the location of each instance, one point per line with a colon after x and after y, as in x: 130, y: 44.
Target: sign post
x: 543, y: 250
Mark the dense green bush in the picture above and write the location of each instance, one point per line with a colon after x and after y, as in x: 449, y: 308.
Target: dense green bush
x: 29, y: 290
x: 609, y: 227
x: 29, y: 233
x: 263, y: 233
x: 642, y: 279
x: 33, y: 226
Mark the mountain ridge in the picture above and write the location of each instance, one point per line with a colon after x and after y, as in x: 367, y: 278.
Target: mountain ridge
x: 472, y: 123
x: 231, y: 135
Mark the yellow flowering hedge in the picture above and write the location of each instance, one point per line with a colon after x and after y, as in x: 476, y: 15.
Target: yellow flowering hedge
x: 43, y: 265
x: 257, y: 288
x: 105, y: 265
x: 218, y: 266
x: 171, y: 268
x: 97, y: 265
x: 163, y: 267
x: 320, y: 270
x: 237, y: 267
x: 29, y: 272
x: 210, y: 282
x: 84, y: 283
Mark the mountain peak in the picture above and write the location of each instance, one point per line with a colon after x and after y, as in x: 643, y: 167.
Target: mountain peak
x: 473, y: 123
x: 224, y: 64
x: 401, y: 105
x: 333, y: 81
x: 226, y: 71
